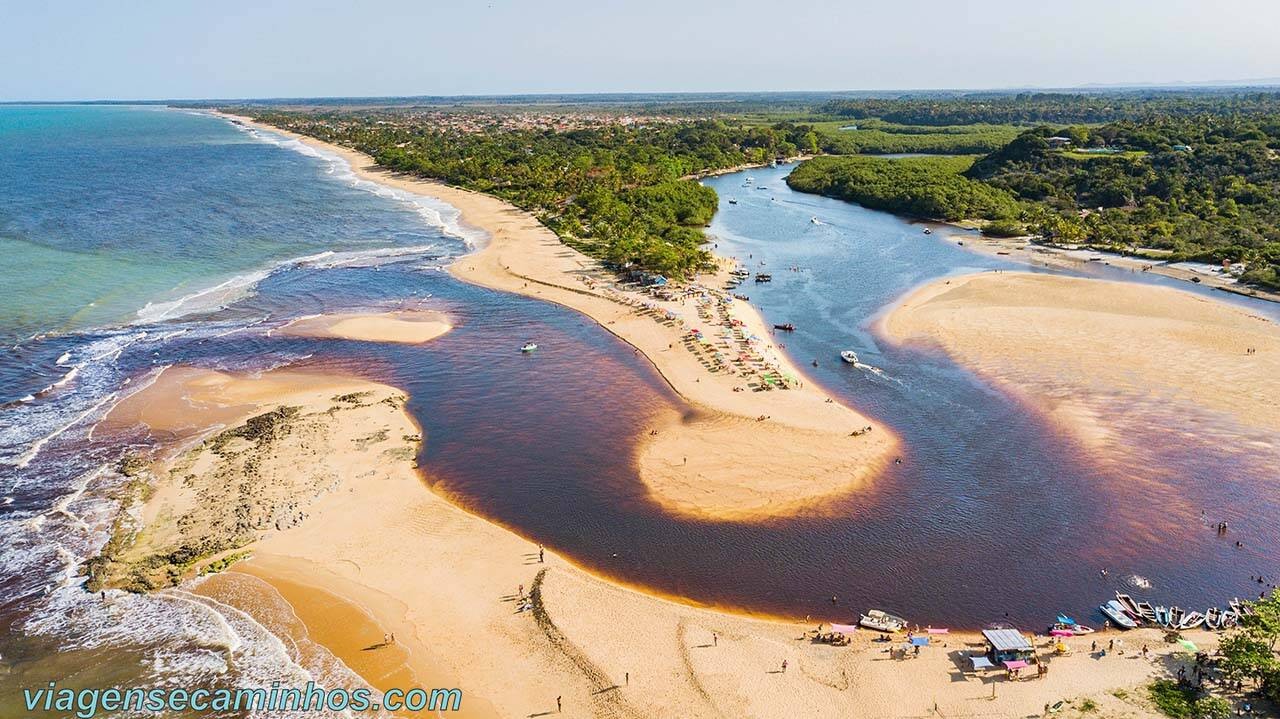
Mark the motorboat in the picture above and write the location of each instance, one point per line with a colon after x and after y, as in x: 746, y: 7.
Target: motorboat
x: 849, y: 356
x: 788, y: 327
x: 815, y: 220
x: 1191, y: 620
x: 1114, y: 611
x: 528, y: 347
x: 882, y: 621
x: 764, y: 277
x: 928, y: 231
x: 1066, y: 623
x: 732, y: 201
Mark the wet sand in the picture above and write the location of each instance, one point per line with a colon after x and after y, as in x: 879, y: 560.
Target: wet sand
x: 404, y: 326
x: 1027, y: 331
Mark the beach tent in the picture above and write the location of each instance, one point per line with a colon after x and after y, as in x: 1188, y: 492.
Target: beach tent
x: 1016, y: 664
x: 980, y: 663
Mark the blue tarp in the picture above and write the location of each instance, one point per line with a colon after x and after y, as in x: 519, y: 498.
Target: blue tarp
x: 981, y: 662
x: 920, y: 641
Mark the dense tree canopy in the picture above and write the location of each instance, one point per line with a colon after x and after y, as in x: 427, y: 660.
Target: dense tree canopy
x: 927, y: 187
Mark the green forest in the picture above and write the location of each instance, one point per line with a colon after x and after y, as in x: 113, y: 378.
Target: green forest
x: 926, y: 187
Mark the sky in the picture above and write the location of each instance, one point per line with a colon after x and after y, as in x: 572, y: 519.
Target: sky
x: 179, y: 49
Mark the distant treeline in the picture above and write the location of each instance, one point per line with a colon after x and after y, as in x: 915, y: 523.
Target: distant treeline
x: 1057, y: 108
x: 926, y: 187
x: 1204, y: 187
x: 614, y: 191
x: 876, y: 137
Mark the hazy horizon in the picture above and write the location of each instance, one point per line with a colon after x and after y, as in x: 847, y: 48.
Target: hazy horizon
x: 187, y: 51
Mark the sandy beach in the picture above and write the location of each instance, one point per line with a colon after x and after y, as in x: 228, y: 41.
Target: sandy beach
x: 1021, y: 249
x: 1060, y: 339
x: 404, y: 326
x: 407, y: 589
x: 823, y: 446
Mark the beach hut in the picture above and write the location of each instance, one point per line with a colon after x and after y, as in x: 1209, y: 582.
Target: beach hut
x: 1008, y: 647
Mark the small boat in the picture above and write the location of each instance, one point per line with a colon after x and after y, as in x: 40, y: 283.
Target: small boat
x: 1130, y: 606
x: 928, y: 231
x: 1068, y: 624
x: 528, y: 347
x: 882, y: 621
x: 815, y: 220
x: 1191, y: 620
x: 1162, y: 616
x: 1148, y: 613
x: 849, y: 356
x: 732, y: 201
x: 764, y: 277
x: 1115, y: 612
x: 1175, y: 616
x: 787, y: 327
x: 1213, y: 618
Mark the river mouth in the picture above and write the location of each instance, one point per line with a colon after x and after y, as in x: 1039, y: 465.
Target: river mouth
x: 995, y: 513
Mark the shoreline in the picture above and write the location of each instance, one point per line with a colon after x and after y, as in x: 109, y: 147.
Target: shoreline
x: 1062, y: 342
x: 1021, y: 249
x: 402, y: 586
x: 524, y: 257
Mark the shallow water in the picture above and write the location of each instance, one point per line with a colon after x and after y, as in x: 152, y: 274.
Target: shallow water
x: 994, y: 512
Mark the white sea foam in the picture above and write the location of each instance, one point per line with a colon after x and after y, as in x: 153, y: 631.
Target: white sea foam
x: 434, y: 212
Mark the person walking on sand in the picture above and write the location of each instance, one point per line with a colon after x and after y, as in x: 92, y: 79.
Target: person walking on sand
x: 558, y: 707
x: 715, y: 639
x: 541, y: 554
x: 784, y: 666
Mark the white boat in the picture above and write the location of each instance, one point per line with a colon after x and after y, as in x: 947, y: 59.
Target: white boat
x: 849, y: 356
x: 882, y: 621
x: 815, y: 220
x: 1191, y: 620
x: 1115, y: 612
x: 528, y: 347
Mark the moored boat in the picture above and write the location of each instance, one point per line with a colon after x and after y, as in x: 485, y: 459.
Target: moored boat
x: 787, y: 327
x: 882, y: 621
x: 764, y: 277
x: 1147, y: 611
x: 1114, y: 611
x: 1213, y: 618
x: 1191, y: 620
